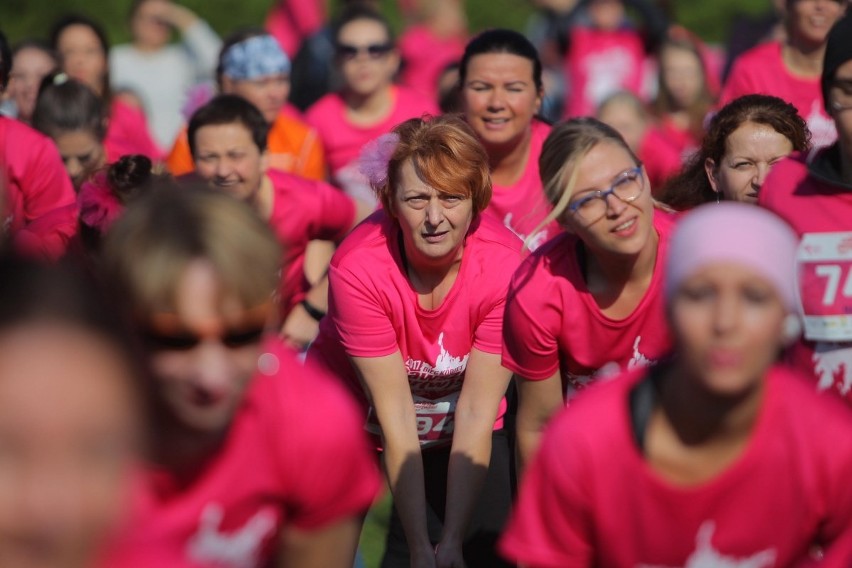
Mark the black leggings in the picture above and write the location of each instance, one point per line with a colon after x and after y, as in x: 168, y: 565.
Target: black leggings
x: 489, y: 513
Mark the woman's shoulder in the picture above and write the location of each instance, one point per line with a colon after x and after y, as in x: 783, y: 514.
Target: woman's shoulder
x: 367, y: 245
x: 555, y: 262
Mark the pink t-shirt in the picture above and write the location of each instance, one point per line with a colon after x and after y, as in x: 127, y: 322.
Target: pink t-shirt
x: 374, y: 312
x: 40, y: 209
x: 762, y: 70
x: 292, y: 21
x: 662, y: 160
x: 821, y: 213
x: 591, y: 499
x: 683, y: 140
x: 554, y: 324
x: 523, y: 205
x: 424, y: 56
x: 599, y: 63
x: 128, y: 133
x: 294, y: 456
x: 304, y: 210
x: 343, y: 140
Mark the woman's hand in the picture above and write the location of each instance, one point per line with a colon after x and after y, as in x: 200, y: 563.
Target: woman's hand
x: 448, y: 554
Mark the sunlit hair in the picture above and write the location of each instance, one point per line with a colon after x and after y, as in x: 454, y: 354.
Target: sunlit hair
x: 67, y: 105
x: 566, y: 145
x: 149, y: 248
x: 692, y: 187
x: 446, y: 154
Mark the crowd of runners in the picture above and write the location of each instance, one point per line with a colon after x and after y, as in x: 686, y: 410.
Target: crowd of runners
x: 577, y: 296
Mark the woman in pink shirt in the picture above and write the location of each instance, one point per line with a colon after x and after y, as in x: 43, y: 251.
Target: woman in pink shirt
x: 82, y: 48
x: 369, y: 104
x: 791, y: 69
x: 589, y: 302
x: 416, y: 296
x: 716, y: 457
x: 501, y: 91
x: 744, y: 140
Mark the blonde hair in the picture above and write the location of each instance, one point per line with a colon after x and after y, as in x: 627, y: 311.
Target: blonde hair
x: 150, y: 246
x: 566, y: 145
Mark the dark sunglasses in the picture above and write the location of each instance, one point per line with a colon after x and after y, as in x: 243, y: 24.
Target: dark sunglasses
x: 184, y: 341
x: 373, y: 51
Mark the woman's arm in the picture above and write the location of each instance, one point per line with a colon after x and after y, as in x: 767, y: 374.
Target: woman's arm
x: 537, y: 402
x: 386, y: 383
x: 329, y: 547
x: 485, y: 384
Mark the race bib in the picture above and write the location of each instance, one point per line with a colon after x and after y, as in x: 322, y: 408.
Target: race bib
x: 824, y: 263
x: 435, y: 420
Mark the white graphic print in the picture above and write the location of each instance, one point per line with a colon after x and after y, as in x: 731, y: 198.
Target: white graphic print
x: 536, y: 240
x: 823, y: 131
x: 831, y: 359
x: 705, y: 556
x: 239, y: 549
x: 577, y: 383
x: 447, y: 368
x: 606, y: 72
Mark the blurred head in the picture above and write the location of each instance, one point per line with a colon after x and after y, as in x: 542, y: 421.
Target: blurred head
x: 33, y: 61
x: 730, y: 286
x: 82, y: 46
x: 626, y: 113
x: 606, y: 14
x: 227, y: 138
x: 809, y: 21
x: 501, y: 87
x: 76, y: 119
x: 437, y: 183
x: 253, y: 66
x: 837, y: 80
x: 198, y: 268
x: 365, y: 51
x: 5, y: 62
x: 745, y: 139
x: 598, y: 187
x: 70, y: 417
x: 682, y: 84
x: 146, y: 27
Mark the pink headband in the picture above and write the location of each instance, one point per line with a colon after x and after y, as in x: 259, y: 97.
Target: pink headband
x: 734, y: 232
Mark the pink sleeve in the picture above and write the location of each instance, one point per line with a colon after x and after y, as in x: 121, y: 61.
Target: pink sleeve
x: 335, y: 213
x: 488, y: 336
x: 534, y: 315
x: 550, y: 526
x: 128, y: 133
x: 361, y: 322
x: 331, y: 472
x: 49, y: 203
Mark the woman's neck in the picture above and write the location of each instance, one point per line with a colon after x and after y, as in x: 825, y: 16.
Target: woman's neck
x: 621, y: 270
x: 264, y: 199
x: 182, y: 451
x: 699, y: 417
x: 509, y: 161
x: 371, y: 108
x: 803, y: 59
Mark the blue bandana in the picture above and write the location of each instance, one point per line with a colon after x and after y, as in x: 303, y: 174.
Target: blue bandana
x: 255, y: 57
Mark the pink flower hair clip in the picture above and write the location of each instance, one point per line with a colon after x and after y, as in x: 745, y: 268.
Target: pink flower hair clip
x: 375, y: 156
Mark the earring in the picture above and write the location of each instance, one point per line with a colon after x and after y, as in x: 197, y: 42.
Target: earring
x: 718, y: 200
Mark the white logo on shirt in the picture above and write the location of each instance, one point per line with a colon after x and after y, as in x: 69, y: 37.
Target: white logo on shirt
x: 829, y: 359
x: 823, y: 131
x: 239, y: 549
x: 536, y: 240
x: 608, y: 370
x: 705, y: 556
x: 443, y: 377
x: 606, y: 72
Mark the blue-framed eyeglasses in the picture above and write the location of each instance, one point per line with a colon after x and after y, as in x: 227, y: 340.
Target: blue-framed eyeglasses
x: 627, y: 186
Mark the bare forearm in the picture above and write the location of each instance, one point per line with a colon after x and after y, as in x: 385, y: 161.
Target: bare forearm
x: 469, y: 461
x: 404, y: 468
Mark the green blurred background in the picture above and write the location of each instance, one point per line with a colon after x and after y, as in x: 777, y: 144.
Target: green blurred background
x: 26, y: 18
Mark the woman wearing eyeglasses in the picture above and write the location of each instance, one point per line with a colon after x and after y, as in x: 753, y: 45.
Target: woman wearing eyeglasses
x: 588, y: 304
x: 814, y: 194
x: 255, y: 460
x: 368, y: 104
x: 715, y: 457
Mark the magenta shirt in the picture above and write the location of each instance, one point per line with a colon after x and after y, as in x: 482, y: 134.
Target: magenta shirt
x: 40, y: 213
x: 128, y: 133
x: 762, y: 70
x: 590, y: 498
x: 295, y: 456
